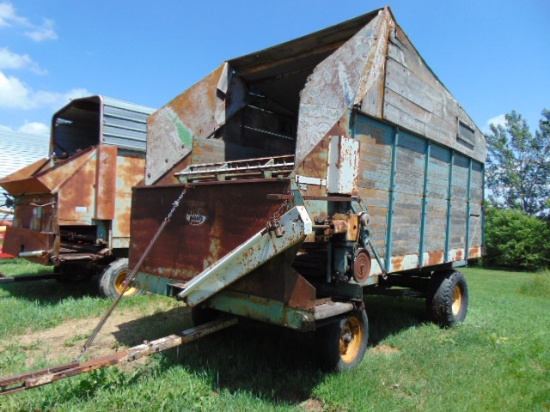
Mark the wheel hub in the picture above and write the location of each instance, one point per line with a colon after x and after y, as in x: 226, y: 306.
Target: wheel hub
x: 457, y: 301
x: 350, y: 340
x: 119, y: 284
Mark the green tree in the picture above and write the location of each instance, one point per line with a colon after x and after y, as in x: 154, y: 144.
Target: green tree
x: 515, y: 240
x: 518, y: 165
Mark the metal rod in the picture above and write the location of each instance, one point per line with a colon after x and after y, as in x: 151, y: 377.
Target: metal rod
x: 424, y: 203
x: 449, y: 208
x: 391, y: 199
x: 132, y: 275
x: 468, y: 210
x: 29, y: 278
x: 35, y: 253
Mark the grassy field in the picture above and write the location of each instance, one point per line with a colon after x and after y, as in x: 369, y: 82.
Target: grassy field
x: 498, y: 360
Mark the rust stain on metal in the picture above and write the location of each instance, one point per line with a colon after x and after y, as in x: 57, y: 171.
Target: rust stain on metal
x: 23, y: 180
x: 129, y: 172
x: 362, y: 266
x: 76, y: 197
x: 195, y: 106
x: 435, y: 258
x: 475, y: 252
x: 232, y: 213
x: 397, y: 263
x: 21, y: 240
x: 55, y: 177
x: 106, y: 182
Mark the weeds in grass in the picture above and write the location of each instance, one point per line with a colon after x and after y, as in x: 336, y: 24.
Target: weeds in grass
x: 538, y: 285
x: 498, y: 360
x: 75, y: 340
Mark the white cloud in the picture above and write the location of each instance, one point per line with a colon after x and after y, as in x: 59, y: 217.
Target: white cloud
x: 38, y: 33
x: 44, y: 32
x: 35, y: 128
x: 9, y: 16
x: 15, y: 94
x: 499, y: 120
x: 11, y: 60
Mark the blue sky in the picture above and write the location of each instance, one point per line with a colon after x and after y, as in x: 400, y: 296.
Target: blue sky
x: 494, y: 56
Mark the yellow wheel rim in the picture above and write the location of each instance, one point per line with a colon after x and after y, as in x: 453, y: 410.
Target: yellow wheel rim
x: 119, y: 284
x: 350, y: 339
x: 457, y: 300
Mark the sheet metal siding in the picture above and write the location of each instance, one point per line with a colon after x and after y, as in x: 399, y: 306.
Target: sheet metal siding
x: 124, y: 124
x: 416, y: 100
x: 93, y: 120
x: 334, y: 85
x: 129, y: 172
x: 403, y: 227
x: 195, y: 113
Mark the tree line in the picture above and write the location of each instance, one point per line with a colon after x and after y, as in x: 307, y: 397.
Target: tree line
x: 517, y: 213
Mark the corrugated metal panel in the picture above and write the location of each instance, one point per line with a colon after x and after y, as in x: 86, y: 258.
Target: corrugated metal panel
x: 93, y: 120
x: 20, y: 150
x: 124, y: 124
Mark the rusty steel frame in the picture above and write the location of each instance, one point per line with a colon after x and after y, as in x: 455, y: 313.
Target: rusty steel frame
x: 46, y: 376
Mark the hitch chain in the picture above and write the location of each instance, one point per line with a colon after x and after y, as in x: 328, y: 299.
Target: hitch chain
x: 273, y: 224
x: 132, y: 275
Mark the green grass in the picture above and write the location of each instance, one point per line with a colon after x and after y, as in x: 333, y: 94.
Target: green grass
x: 498, y: 360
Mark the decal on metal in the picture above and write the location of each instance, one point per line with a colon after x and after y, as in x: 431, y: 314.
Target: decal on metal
x: 195, y: 217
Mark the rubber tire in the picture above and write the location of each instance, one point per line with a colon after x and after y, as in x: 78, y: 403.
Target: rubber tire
x: 329, y: 340
x: 112, y: 276
x: 448, y: 298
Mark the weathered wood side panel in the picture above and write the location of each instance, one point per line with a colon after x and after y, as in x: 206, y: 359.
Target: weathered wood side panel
x: 459, y: 202
x: 408, y: 192
x: 437, y: 192
x: 425, y: 174
x: 476, y: 213
x: 375, y: 173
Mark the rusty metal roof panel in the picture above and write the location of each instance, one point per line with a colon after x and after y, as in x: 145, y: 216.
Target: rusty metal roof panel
x: 295, y: 52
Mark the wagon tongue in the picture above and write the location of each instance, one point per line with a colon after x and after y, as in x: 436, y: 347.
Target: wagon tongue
x: 42, y: 377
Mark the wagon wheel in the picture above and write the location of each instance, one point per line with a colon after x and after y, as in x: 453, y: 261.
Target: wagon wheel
x: 448, y: 298
x: 111, y: 281
x: 341, y: 345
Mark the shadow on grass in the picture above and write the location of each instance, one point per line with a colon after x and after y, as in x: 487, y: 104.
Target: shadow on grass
x: 51, y: 291
x: 271, y: 362
x: 391, y: 315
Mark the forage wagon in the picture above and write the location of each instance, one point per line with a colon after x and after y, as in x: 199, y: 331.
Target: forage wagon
x: 312, y: 173
x: 72, y: 209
